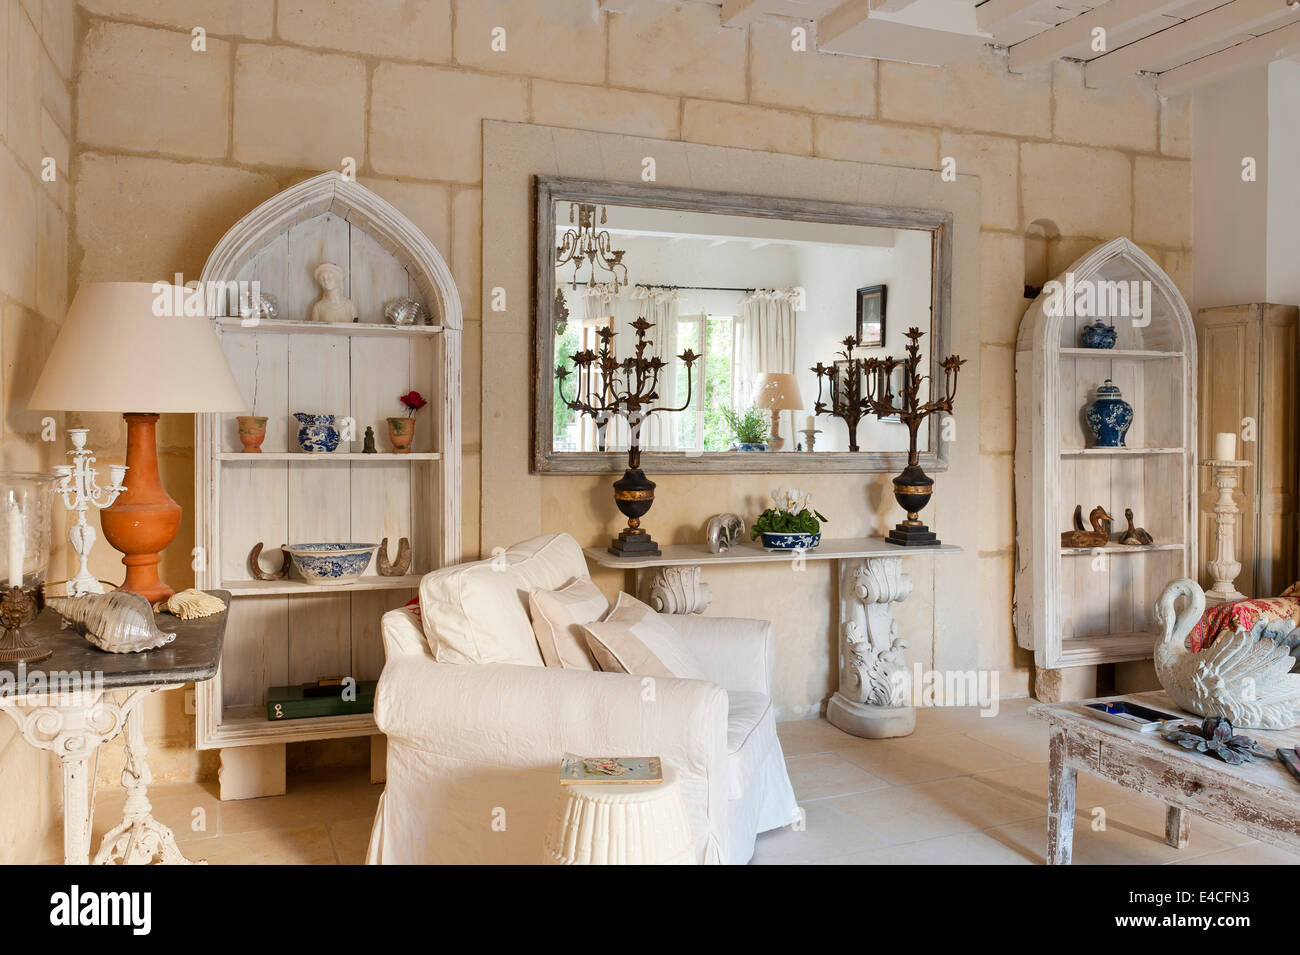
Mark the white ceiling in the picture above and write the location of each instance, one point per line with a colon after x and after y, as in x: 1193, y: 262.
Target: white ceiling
x: 1183, y: 43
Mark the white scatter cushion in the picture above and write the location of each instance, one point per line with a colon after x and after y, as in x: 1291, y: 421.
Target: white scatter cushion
x: 634, y: 639
x: 558, y: 619
x: 478, y: 613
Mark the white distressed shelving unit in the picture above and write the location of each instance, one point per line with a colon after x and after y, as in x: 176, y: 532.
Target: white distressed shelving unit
x: 1083, y: 606
x: 290, y: 631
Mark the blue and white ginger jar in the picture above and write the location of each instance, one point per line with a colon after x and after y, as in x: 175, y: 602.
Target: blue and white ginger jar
x: 1098, y: 335
x: 1109, y: 417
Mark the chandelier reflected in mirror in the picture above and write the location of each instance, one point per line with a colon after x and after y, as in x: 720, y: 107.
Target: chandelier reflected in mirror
x: 587, y: 246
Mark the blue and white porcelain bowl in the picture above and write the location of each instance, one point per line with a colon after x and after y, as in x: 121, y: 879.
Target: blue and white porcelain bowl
x: 331, y: 563
x: 790, y: 541
x: 317, y: 433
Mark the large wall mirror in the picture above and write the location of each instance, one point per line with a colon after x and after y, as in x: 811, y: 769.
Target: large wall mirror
x: 762, y: 290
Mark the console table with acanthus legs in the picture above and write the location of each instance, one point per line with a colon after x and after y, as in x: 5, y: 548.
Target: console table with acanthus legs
x: 871, y: 701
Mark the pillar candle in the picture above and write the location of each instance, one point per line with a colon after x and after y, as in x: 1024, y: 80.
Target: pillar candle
x: 1225, y: 446
x: 810, y: 423
x: 15, y: 519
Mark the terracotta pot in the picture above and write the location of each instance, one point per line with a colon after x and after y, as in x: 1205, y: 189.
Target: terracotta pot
x: 401, y: 432
x: 252, y: 432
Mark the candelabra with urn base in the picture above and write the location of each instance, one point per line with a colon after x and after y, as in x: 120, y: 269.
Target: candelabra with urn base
x: 913, y: 488
x: 606, y: 387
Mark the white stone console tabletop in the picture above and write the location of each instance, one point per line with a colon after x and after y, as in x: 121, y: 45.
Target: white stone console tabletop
x: 872, y: 700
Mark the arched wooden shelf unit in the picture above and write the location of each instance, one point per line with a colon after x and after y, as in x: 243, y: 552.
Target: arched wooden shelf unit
x: 1082, y: 606
x: 289, y: 631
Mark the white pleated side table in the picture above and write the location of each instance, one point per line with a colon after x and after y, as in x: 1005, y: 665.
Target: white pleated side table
x: 620, y: 825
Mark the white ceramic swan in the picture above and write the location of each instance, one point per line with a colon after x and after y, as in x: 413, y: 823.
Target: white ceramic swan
x: 1243, y: 677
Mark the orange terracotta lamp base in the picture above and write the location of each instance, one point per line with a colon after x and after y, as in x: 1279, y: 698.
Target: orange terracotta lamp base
x: 144, y: 519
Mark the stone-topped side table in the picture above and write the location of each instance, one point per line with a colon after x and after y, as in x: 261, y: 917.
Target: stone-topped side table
x: 80, y: 697
x: 872, y: 699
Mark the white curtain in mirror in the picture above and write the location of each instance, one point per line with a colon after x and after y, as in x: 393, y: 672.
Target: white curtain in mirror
x: 764, y: 340
x: 623, y: 306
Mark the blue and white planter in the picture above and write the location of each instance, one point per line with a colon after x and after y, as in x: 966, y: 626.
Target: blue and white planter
x: 746, y: 446
x: 331, y: 563
x: 790, y: 541
x: 317, y: 433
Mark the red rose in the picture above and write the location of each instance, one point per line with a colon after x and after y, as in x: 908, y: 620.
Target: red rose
x: 414, y: 401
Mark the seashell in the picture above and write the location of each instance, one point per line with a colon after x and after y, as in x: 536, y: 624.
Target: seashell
x: 191, y: 604
x: 404, y: 311
x: 119, y: 622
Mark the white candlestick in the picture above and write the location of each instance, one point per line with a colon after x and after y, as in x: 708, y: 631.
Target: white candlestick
x: 1225, y: 446
x: 16, y: 540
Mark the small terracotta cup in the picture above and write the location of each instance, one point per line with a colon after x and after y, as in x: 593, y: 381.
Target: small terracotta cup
x: 401, y: 432
x: 252, y: 432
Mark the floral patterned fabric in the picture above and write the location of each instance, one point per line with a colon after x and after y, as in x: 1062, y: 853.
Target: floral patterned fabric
x: 1243, y: 614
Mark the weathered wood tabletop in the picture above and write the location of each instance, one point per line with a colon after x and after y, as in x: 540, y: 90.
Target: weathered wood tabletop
x: 1260, y: 798
x: 193, y: 656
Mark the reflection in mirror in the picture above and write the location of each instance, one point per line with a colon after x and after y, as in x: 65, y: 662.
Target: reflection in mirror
x: 762, y: 300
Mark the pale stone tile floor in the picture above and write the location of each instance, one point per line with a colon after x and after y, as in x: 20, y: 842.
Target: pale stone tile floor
x: 962, y: 789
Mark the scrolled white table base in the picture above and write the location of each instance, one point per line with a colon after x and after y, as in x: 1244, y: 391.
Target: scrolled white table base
x: 73, y: 724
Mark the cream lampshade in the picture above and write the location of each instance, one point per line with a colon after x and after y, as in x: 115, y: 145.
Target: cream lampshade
x: 140, y: 349
x: 776, y: 391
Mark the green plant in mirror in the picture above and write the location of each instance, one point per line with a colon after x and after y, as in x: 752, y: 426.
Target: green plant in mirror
x: 749, y: 426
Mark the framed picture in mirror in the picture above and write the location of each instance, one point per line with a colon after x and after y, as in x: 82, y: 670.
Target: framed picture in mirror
x: 871, y: 316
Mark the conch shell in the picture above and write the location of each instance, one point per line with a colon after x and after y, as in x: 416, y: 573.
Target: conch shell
x: 119, y: 622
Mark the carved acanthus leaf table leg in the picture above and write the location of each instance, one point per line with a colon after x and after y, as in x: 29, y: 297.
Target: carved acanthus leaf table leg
x: 680, y: 589
x: 872, y: 699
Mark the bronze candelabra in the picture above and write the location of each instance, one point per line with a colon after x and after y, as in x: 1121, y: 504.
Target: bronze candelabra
x: 606, y: 387
x: 913, y: 488
x: 847, y: 400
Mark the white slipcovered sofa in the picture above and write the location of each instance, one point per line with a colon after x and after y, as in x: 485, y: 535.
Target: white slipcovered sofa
x: 477, y: 724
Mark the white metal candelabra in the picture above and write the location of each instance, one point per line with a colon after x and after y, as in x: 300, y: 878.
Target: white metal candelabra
x: 1225, y: 567
x: 79, y: 490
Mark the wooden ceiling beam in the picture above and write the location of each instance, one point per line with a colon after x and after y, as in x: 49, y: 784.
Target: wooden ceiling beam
x: 1111, y: 16
x: 993, y: 13
x: 1221, y: 24
x: 1259, y: 51
x: 739, y: 13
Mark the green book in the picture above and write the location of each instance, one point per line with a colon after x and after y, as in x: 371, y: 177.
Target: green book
x: 300, y: 702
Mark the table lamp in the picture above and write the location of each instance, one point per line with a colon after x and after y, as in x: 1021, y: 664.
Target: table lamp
x: 139, y: 349
x: 777, y: 392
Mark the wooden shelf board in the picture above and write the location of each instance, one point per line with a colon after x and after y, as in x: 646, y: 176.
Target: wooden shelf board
x: 351, y: 329
x: 303, y: 456
x: 1127, y: 354
x: 266, y: 588
x: 1120, y: 549
x: 1107, y: 452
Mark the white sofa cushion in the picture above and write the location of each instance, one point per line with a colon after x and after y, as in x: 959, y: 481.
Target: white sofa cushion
x: 632, y: 639
x: 478, y: 613
x: 558, y: 619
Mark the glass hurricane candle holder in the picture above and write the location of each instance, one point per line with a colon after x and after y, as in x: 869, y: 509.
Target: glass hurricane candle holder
x: 26, y: 501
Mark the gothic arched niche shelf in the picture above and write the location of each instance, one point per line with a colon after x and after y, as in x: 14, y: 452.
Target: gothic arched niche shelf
x: 285, y: 632
x: 1084, y: 606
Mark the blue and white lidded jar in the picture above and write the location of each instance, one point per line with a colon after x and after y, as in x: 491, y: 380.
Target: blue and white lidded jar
x: 1109, y: 417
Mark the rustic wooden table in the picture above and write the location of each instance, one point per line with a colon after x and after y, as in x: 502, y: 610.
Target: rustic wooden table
x: 1260, y: 799
x: 80, y: 697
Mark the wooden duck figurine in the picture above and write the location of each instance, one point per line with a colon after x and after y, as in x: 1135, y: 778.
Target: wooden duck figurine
x: 1134, y: 536
x: 1099, y: 536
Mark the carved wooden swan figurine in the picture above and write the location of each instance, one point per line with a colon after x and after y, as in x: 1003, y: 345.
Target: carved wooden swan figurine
x: 1243, y: 677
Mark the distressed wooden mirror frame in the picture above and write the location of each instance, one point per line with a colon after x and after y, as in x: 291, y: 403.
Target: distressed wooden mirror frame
x: 549, y: 190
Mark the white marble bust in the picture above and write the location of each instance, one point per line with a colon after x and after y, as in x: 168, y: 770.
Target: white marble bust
x: 332, y: 306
